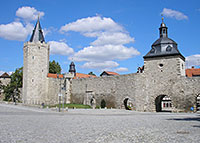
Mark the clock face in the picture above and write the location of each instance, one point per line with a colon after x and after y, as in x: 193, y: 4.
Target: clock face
x: 169, y: 48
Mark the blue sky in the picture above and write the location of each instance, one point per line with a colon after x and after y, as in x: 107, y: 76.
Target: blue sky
x: 98, y: 35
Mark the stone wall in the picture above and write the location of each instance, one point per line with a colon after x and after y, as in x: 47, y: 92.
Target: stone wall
x: 139, y: 89
x: 55, y: 86
x: 113, y: 89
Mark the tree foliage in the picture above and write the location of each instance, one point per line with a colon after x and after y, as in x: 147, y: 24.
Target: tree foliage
x: 91, y: 73
x: 54, y: 67
x: 12, y: 89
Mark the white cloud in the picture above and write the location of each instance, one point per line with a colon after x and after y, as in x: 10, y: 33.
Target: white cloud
x: 15, y: 31
x: 92, y: 24
x: 193, y: 60
x: 60, y: 48
x: 28, y: 13
x: 105, y: 53
x: 18, y: 31
x: 1, y: 72
x: 108, y: 46
x: 121, y: 69
x: 117, y: 38
x: 174, y: 14
x: 100, y: 65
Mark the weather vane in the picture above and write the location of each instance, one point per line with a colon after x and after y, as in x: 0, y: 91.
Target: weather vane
x: 162, y: 17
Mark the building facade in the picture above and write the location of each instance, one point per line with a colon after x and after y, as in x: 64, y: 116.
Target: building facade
x: 160, y: 86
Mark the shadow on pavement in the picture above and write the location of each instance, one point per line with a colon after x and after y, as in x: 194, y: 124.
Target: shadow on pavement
x: 188, y: 119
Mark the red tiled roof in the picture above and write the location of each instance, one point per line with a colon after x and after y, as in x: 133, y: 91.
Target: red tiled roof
x: 192, y: 72
x: 54, y: 75
x: 111, y: 73
x: 81, y: 75
x: 5, y: 75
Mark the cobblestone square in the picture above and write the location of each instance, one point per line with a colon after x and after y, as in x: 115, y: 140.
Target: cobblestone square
x: 20, y: 124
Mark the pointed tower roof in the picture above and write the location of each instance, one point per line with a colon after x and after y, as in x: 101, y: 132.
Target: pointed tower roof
x: 163, y: 46
x: 37, y: 34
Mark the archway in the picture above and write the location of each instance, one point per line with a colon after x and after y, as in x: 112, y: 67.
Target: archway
x: 163, y: 103
x: 128, y: 104
x: 198, y: 102
x: 93, y: 102
x: 103, y: 103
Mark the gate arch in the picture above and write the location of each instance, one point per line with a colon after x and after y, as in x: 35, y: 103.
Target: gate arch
x: 198, y: 102
x: 163, y: 103
x: 127, y: 103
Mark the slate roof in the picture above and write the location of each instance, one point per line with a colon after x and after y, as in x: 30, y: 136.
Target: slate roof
x: 5, y: 75
x: 37, y: 34
x: 163, y: 46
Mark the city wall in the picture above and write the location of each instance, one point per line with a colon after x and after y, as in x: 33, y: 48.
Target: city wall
x: 140, y: 90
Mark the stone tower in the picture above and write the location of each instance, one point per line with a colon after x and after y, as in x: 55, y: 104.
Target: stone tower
x: 36, y: 68
x: 72, y: 69
x: 164, y: 58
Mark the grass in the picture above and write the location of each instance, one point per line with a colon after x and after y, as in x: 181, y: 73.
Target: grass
x: 78, y: 106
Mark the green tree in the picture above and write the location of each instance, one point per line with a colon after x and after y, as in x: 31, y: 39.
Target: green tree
x: 12, y: 91
x: 54, y: 67
x: 91, y: 73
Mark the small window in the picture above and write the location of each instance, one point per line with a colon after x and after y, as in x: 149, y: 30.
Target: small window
x: 169, y: 48
x: 32, y: 80
x: 161, y: 65
x: 33, y: 57
x: 164, y: 31
x: 152, y: 50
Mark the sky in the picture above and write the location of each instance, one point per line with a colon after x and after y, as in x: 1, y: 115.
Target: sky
x: 98, y: 35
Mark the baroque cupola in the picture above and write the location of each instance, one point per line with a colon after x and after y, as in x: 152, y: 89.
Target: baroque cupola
x: 72, y: 68
x: 163, y: 46
x: 37, y: 34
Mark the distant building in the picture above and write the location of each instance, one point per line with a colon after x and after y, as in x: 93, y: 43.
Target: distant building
x: 108, y: 73
x: 4, y: 80
x: 82, y: 75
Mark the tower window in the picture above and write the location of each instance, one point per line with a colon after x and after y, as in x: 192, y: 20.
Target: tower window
x: 161, y: 65
x: 152, y: 50
x: 32, y: 80
x: 164, y: 31
x: 169, y: 48
x: 33, y: 57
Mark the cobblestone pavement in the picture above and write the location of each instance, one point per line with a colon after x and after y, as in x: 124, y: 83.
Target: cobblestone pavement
x: 19, y: 124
